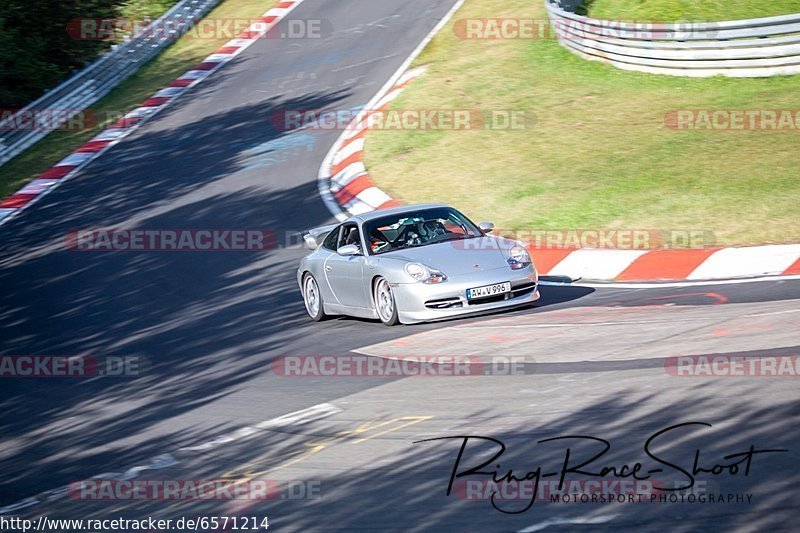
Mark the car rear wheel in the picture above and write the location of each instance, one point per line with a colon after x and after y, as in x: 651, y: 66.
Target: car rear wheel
x: 313, y: 298
x: 385, y: 304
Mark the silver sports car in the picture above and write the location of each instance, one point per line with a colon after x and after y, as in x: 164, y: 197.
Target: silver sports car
x: 413, y: 264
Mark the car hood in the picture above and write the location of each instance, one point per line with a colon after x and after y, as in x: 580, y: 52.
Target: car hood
x: 458, y: 257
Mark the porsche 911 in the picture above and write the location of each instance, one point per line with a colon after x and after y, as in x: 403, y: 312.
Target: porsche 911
x: 413, y: 264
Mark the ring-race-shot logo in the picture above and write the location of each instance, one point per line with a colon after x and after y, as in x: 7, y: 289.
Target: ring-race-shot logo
x: 578, y: 491
x: 398, y: 366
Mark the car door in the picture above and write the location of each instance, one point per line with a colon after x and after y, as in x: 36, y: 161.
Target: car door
x: 345, y: 274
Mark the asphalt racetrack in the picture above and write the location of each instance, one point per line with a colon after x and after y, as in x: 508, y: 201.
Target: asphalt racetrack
x: 209, y: 325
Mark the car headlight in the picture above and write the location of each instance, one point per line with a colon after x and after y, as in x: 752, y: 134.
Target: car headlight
x: 518, y: 257
x: 424, y: 274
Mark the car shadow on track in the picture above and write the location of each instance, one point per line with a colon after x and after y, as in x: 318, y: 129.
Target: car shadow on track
x: 550, y: 296
x: 668, y: 364
x: 204, y: 323
x: 394, y: 478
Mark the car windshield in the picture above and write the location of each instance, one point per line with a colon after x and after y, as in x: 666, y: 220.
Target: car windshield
x: 412, y: 229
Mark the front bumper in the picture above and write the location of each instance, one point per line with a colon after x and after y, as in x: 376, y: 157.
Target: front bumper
x: 420, y: 302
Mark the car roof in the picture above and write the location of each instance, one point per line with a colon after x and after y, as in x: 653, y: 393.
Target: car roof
x: 372, y: 215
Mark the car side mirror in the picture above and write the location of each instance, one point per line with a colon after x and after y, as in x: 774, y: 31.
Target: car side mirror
x: 486, y: 227
x: 310, y: 242
x: 349, y: 249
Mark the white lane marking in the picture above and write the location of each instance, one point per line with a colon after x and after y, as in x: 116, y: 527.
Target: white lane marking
x: 323, y: 175
x: 557, y: 521
x: 317, y: 412
x: 411, y: 74
x: 304, y: 416
x: 665, y: 284
x: 749, y: 261
x: 362, y: 63
x: 773, y: 313
x: 576, y: 324
x: 389, y: 98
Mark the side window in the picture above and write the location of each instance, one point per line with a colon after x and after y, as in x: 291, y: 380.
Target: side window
x: 349, y: 235
x: 330, y: 241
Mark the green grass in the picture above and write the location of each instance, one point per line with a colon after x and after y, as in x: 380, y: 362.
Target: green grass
x: 157, y: 74
x: 698, y: 10
x: 146, y: 8
x: 599, y: 154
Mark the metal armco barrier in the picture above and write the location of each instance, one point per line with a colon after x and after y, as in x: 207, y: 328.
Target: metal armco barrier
x: 740, y: 48
x: 94, y: 81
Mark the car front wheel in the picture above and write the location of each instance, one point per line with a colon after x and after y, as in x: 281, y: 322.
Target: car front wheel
x: 313, y: 298
x: 385, y: 304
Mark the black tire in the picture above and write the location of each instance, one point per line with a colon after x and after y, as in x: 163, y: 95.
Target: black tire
x: 385, y: 306
x: 315, y: 308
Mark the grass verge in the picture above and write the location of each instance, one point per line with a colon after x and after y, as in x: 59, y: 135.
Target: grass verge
x: 600, y: 154
x: 174, y: 61
x: 674, y: 10
x: 139, y: 9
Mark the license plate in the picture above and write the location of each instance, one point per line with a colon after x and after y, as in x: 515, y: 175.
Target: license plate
x: 489, y: 290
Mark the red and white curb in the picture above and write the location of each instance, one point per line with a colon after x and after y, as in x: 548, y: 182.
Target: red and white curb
x: 651, y: 265
x: 347, y: 189
x: 347, y: 184
x: 351, y: 190
x: 92, y: 149
x: 344, y: 183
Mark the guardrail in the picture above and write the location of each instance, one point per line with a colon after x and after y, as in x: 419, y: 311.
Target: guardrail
x: 94, y: 81
x: 740, y: 48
